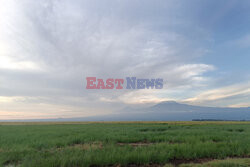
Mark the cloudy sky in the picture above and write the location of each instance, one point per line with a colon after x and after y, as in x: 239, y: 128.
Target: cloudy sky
x: 49, y: 47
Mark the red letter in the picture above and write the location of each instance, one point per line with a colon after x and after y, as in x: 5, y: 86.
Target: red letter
x: 100, y: 84
x: 90, y: 83
x: 110, y: 84
x: 119, y: 81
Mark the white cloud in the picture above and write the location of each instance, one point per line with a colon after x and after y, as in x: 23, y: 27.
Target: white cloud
x: 8, y: 63
x: 218, y: 96
x: 65, y: 41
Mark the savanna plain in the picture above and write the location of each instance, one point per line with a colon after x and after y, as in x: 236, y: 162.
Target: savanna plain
x: 113, y: 144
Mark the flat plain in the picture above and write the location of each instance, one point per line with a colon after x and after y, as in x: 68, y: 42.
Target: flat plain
x: 83, y: 144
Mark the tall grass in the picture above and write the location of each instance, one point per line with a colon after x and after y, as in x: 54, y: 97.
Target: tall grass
x: 99, y: 144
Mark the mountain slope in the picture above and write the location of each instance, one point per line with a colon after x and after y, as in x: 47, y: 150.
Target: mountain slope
x: 171, y: 110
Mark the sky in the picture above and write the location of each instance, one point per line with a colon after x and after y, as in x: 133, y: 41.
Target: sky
x: 48, y: 47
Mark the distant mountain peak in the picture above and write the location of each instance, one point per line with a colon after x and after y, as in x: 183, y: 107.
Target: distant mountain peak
x: 169, y: 102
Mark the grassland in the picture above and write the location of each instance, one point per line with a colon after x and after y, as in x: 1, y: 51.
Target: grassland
x: 85, y: 144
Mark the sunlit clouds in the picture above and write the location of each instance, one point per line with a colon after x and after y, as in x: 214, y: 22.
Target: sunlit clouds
x: 48, y: 48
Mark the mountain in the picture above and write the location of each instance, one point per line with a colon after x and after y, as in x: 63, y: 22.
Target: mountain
x: 173, y: 111
x: 169, y: 111
x: 177, y: 111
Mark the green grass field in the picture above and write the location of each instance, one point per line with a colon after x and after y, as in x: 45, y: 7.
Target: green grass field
x: 125, y: 144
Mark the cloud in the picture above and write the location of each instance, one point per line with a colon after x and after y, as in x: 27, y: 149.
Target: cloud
x: 48, y: 48
x: 7, y: 63
x: 237, y: 93
x: 179, y: 79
